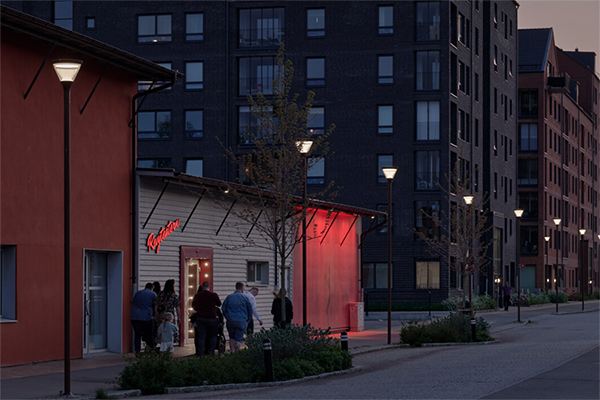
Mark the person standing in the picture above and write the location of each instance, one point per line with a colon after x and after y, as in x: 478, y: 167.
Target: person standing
x: 205, y: 304
x: 237, y: 310
x: 142, y: 317
x: 166, y: 332
x: 251, y: 295
x: 276, y: 309
x: 168, y: 301
x: 506, y: 292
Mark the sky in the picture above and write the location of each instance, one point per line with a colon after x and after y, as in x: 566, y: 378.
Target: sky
x: 576, y: 23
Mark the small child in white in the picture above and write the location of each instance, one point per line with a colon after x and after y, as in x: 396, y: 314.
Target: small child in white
x: 166, y: 332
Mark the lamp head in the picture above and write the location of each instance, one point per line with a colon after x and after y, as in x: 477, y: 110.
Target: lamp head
x: 519, y: 213
x: 389, y: 172
x: 67, y: 69
x: 557, y: 221
x: 468, y: 199
x: 304, y: 146
x: 547, y: 238
x: 582, y: 232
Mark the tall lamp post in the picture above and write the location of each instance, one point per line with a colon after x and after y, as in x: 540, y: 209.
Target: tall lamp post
x: 519, y: 214
x: 304, y: 147
x: 389, y: 173
x: 581, y: 261
x: 546, y: 279
x: 469, y: 261
x: 67, y: 72
x: 556, y: 283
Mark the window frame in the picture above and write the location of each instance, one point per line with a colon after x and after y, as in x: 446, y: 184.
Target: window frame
x: 155, y: 37
x: 383, y: 29
x: 433, y: 131
x: 374, y: 266
x: 315, y: 124
x: 315, y: 172
x: 429, y: 283
x: 431, y: 175
x: 423, y: 223
x: 249, y: 37
x: 248, y: 79
x: 194, y: 133
x: 8, y: 283
x: 316, y: 80
x: 424, y: 32
x: 383, y: 78
x: 156, y: 122
x: 263, y: 271
x: 201, y: 166
x: 429, y: 80
x: 194, y: 36
x: 194, y: 84
x: 385, y: 129
x: 318, y: 32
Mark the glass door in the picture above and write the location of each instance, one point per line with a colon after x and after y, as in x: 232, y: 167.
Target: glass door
x: 95, y: 301
x: 198, y: 270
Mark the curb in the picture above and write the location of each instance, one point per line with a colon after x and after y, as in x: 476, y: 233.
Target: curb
x: 459, y: 344
x: 121, y: 394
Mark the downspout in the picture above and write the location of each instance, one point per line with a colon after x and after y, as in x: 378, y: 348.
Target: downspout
x: 227, y: 97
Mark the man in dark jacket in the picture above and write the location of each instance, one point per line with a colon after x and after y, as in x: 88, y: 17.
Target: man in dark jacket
x: 276, y: 309
x: 142, y: 317
x: 205, y: 304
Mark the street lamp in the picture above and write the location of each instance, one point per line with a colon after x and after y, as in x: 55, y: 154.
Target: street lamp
x: 468, y: 198
x: 304, y: 147
x: 389, y: 173
x: 547, y: 239
x: 519, y: 214
x: 581, y: 261
x: 556, y: 282
x: 67, y: 72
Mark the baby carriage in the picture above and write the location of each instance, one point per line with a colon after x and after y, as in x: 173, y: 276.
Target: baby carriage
x: 221, y: 332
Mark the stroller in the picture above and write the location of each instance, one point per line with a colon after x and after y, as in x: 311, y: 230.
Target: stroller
x: 221, y: 332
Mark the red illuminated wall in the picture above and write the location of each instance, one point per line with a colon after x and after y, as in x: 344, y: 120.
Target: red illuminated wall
x: 32, y: 190
x: 332, y: 271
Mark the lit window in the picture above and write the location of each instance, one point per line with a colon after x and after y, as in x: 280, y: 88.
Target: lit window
x: 194, y: 78
x: 194, y: 27
x: 428, y: 274
x: 154, y: 28
x: 315, y: 22
x: 316, y: 121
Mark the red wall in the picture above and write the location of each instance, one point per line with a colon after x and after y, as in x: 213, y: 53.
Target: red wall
x: 32, y: 190
x: 332, y: 271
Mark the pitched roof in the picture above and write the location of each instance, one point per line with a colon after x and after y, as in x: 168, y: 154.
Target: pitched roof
x: 533, y: 49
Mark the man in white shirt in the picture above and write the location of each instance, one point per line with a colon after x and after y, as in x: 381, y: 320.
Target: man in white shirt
x: 251, y: 295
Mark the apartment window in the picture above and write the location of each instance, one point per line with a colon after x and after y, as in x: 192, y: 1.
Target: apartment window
x: 464, y: 29
x: 145, y: 85
x: 315, y: 72
x: 154, y: 28
x: 63, y: 14
x: 427, y: 170
x: 258, y: 272
x: 428, y: 274
x: 194, y: 27
x: 528, y: 102
x: 528, y: 137
x: 194, y: 166
x: 386, y: 160
x: 316, y: 121
x: 476, y: 86
x: 495, y: 58
x: 315, y: 22
x: 154, y: 124
x: 385, y: 119
x: 477, y: 41
x: 194, y: 75
x: 428, y: 21
x: 529, y: 240
x: 495, y: 143
x: 428, y: 70
x: 154, y: 163
x: 428, y: 120
x: 496, y: 101
x: 496, y: 16
x: 386, y: 69
x: 527, y: 171
x: 8, y: 282
x: 476, y: 134
x: 315, y: 174
x: 426, y: 212
x: 464, y: 121
x: 464, y: 75
x: 194, y: 123
x: 256, y: 75
x: 249, y: 127
x: 261, y: 27
x: 386, y: 20
x: 90, y: 23
x: 375, y: 275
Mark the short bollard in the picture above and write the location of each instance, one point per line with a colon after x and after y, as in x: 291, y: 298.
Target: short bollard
x: 474, y: 329
x: 268, y: 360
x: 344, y: 340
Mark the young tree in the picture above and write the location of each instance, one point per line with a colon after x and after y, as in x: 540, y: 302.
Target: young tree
x: 462, y: 238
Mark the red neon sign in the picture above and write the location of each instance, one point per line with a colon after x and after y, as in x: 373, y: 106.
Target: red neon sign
x: 153, y: 242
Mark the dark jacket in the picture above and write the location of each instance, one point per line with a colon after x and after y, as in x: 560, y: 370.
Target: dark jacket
x: 276, y: 311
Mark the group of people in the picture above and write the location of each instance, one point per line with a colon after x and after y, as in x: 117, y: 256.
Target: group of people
x: 155, y: 316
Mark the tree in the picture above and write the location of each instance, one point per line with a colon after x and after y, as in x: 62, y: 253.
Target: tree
x: 462, y: 230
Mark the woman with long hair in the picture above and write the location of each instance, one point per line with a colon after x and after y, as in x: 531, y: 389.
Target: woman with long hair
x: 168, y: 301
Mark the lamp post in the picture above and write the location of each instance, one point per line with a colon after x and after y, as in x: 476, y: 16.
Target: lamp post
x: 389, y: 173
x: 519, y: 214
x: 67, y: 72
x: 547, y: 280
x: 469, y: 265
x: 304, y: 147
x: 556, y: 282
x: 497, y: 290
x: 581, y: 261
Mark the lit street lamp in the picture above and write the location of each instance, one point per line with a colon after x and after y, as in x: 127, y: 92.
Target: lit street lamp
x: 547, y: 239
x: 389, y: 173
x: 67, y: 72
x: 581, y: 261
x: 304, y: 147
x: 519, y: 214
x: 556, y: 280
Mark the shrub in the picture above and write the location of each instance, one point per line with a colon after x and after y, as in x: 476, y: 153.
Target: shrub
x: 151, y: 372
x: 541, y: 298
x: 562, y: 296
x: 450, y: 329
x: 484, y: 302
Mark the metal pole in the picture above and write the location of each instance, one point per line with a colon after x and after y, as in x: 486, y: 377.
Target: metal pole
x: 389, y: 271
x: 556, y: 276
x: 518, y: 269
x: 304, y: 318
x: 67, y: 233
x: 581, y: 281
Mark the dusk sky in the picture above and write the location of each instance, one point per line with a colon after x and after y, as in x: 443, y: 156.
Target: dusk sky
x: 576, y: 23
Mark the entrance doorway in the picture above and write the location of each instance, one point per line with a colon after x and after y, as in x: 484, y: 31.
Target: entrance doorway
x: 197, y: 270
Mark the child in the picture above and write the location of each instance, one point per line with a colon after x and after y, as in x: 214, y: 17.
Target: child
x: 166, y: 332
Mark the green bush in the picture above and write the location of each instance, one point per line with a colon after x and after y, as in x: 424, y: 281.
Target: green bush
x: 562, y: 296
x: 451, y: 329
x: 295, y: 368
x: 533, y: 299
x: 588, y: 296
x: 484, y: 302
x: 151, y: 372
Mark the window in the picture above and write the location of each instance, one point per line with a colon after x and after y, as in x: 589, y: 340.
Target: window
x: 63, y: 14
x: 496, y: 101
x: 145, y: 85
x: 256, y: 74
x: 427, y: 170
x: 495, y: 58
x: 261, y: 27
x: 315, y: 175
x: 428, y: 120
x: 316, y: 121
x: 375, y: 275
x: 248, y: 126
x: 529, y: 240
x: 476, y: 86
x: 428, y: 274
x: 428, y: 70
x: 528, y: 202
x: 477, y: 41
x: 154, y: 163
x: 194, y: 167
x: 154, y: 28
x: 90, y: 23
x: 386, y: 20
x: 385, y: 119
x: 464, y: 122
x: 194, y: 75
x: 386, y: 69
x: 425, y: 214
x: 464, y: 29
x: 386, y: 160
x: 8, y: 282
x: 154, y: 124
x: 258, y: 272
x: 315, y: 72
x: 315, y: 22
x: 194, y: 121
x: 528, y: 103
x: 427, y: 21
x: 463, y: 78
x: 528, y: 137
x: 527, y: 171
x: 194, y: 27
